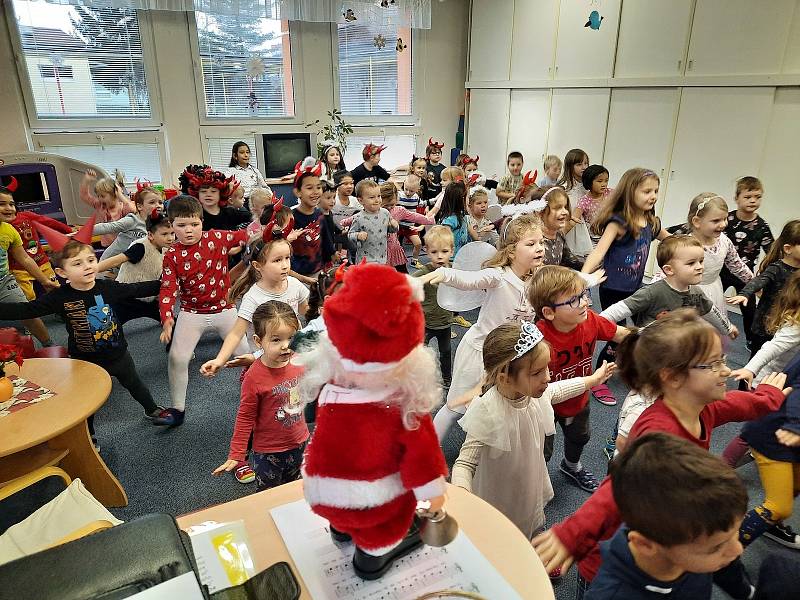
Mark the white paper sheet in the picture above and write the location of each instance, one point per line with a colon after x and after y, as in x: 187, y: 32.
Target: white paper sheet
x: 183, y: 586
x: 326, y: 567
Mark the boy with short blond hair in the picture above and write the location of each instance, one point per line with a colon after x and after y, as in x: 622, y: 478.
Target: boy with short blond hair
x: 552, y: 171
x: 561, y: 300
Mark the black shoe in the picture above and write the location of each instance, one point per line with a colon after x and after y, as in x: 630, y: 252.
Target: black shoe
x: 583, y: 478
x: 783, y: 534
x: 339, y: 536
x: 371, y: 567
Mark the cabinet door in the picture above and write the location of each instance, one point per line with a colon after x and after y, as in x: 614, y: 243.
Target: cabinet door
x: 791, y: 58
x: 578, y: 119
x: 490, y: 40
x: 739, y: 37
x: 530, y: 115
x: 487, y: 128
x: 720, y: 137
x: 533, y: 44
x: 583, y: 52
x: 653, y: 36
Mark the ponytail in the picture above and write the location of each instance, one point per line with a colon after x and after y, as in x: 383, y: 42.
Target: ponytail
x: 245, y: 281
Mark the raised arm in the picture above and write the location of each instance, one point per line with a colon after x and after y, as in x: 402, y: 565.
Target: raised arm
x: 112, y: 263
x: 211, y: 367
x: 596, y: 256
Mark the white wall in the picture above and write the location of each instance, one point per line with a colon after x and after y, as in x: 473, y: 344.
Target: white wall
x: 441, y: 72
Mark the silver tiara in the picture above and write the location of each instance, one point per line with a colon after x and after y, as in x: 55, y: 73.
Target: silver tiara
x: 529, y: 336
x: 704, y: 202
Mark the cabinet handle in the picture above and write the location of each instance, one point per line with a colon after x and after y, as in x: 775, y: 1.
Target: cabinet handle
x: 691, y: 62
x: 680, y: 62
x: 556, y: 69
x: 549, y: 70
x: 671, y: 175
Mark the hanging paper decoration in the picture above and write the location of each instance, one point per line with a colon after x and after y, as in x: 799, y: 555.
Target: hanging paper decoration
x: 349, y: 15
x: 400, y: 45
x: 379, y: 42
x: 594, y: 20
x: 388, y: 3
x: 255, y: 67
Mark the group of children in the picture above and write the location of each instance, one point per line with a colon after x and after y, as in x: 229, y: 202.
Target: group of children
x: 557, y: 237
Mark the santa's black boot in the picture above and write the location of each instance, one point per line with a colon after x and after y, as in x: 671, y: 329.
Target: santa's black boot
x: 339, y: 536
x: 368, y: 566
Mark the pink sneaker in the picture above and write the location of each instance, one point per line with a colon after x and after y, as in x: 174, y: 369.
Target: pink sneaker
x: 602, y: 393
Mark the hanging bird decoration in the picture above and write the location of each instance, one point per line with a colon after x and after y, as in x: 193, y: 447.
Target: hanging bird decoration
x: 400, y: 45
x: 594, y: 20
x: 379, y: 42
x: 349, y: 15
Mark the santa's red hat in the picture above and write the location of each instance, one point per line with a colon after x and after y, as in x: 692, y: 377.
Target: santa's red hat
x: 375, y: 319
x: 57, y: 240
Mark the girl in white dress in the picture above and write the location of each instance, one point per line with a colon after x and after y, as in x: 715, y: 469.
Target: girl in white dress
x: 508, y: 424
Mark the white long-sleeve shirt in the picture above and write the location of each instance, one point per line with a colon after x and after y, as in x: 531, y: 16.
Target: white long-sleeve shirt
x: 776, y: 353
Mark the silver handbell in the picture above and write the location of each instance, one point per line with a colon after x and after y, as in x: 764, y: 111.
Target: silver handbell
x: 436, y: 528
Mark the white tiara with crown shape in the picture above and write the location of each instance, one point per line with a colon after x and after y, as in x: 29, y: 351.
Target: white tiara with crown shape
x: 529, y: 336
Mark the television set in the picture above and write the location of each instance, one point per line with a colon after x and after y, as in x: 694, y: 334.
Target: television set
x: 282, y: 151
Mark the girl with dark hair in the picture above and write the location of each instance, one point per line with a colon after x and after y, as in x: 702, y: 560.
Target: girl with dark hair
x: 246, y: 174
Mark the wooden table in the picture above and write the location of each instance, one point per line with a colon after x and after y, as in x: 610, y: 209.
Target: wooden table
x: 54, y: 431
x: 495, y: 536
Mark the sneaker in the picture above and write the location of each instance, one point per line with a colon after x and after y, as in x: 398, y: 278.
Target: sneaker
x: 585, y: 480
x: 461, y: 321
x: 152, y: 415
x: 610, y: 448
x: 783, y: 534
x: 603, y: 394
x: 169, y: 417
x: 95, y: 443
x: 244, y: 474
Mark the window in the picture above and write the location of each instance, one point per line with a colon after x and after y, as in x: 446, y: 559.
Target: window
x: 219, y: 150
x: 399, y: 149
x: 374, y: 77
x: 82, y: 62
x: 246, y: 66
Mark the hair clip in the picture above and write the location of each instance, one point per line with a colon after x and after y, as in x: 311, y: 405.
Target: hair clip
x: 437, y: 145
x: 704, y: 202
x: 12, y: 185
x: 529, y: 337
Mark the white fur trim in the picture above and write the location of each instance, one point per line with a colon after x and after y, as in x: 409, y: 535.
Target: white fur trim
x: 417, y: 288
x: 432, y: 489
x: 352, y: 493
x: 334, y: 394
x: 368, y: 367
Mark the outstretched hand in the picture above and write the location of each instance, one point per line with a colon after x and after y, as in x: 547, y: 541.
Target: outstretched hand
x: 228, y: 465
x: 777, y: 380
x: 737, y: 300
x: 552, y: 552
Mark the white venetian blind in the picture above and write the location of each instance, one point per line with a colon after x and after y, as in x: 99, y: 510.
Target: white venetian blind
x: 246, y: 64
x: 374, y: 75
x: 399, y: 149
x: 83, y: 62
x: 135, y: 160
x: 219, y: 150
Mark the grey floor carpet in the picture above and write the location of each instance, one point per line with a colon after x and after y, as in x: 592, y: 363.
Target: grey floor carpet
x: 170, y: 470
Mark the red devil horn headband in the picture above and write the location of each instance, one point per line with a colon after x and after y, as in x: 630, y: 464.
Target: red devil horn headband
x: 140, y: 186
x: 307, y: 166
x: 57, y: 240
x: 13, y: 184
x: 269, y: 233
x: 530, y: 177
x: 438, y: 145
x: 339, y: 275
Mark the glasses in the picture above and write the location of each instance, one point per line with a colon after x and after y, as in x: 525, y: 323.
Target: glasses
x: 715, y: 366
x: 575, y: 301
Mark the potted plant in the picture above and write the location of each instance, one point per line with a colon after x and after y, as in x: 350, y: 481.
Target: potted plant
x: 8, y: 353
x: 335, y: 132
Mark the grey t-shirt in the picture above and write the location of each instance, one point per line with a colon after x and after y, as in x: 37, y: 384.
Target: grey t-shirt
x: 378, y: 229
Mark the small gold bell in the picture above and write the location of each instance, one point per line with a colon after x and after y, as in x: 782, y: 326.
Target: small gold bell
x: 436, y: 528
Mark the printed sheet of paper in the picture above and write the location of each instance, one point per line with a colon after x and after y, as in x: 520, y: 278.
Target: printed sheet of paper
x: 326, y: 567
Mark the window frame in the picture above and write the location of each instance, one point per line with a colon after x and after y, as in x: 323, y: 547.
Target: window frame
x: 38, y: 124
x: 240, y: 122
x: 375, y: 121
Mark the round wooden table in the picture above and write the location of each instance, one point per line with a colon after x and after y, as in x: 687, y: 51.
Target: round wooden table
x: 54, y: 431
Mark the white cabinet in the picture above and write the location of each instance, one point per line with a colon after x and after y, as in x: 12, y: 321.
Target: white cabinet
x: 653, y: 36
x: 720, y: 137
x: 490, y: 40
x: 578, y: 120
x: 791, y: 58
x: 739, y: 37
x: 530, y: 116
x: 534, y: 39
x: 583, y: 52
x: 487, y: 128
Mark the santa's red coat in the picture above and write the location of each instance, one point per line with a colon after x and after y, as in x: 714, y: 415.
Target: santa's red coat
x: 364, y: 471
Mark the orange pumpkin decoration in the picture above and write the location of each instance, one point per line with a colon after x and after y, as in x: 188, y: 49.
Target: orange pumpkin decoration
x: 6, y: 389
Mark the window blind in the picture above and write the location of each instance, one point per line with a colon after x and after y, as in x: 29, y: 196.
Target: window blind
x: 139, y: 160
x: 246, y: 65
x: 374, y: 77
x: 399, y: 149
x: 83, y: 62
x: 219, y: 150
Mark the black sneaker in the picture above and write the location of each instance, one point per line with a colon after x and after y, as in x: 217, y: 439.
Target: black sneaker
x: 157, y: 412
x: 783, y: 534
x: 585, y: 480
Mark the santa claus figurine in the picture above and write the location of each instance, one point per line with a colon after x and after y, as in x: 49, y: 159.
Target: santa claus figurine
x: 374, y: 453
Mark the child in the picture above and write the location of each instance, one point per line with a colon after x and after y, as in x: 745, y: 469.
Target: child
x: 781, y: 261
x: 503, y: 277
x: 439, y: 243
x: 466, y: 162
x: 552, y: 171
x: 409, y: 199
x: 419, y: 167
x: 673, y: 537
x: 396, y: 256
x: 626, y: 224
x: 369, y: 229
x: 453, y: 215
x: 269, y: 390
x: 560, y: 300
x: 236, y: 199
x: 141, y: 261
x: 213, y: 190
x: 259, y: 198
x: 433, y: 164
x: 679, y: 361
x: 595, y: 180
x: 248, y: 176
x: 331, y: 232
x: 555, y: 216
x: 131, y: 227
x: 510, y: 183
x: 370, y: 169
x: 575, y: 163
x: 86, y: 305
x: 197, y: 267
x: 508, y: 424
x: 480, y: 228
x: 346, y: 204
x: 311, y: 250
x: 333, y: 159
x: 11, y: 248
x: 105, y: 196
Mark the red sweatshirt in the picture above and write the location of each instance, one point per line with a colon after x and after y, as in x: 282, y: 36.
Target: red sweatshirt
x: 23, y: 223
x: 598, y: 518
x: 199, y: 272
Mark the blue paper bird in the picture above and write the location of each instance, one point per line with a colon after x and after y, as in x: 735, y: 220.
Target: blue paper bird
x: 594, y: 20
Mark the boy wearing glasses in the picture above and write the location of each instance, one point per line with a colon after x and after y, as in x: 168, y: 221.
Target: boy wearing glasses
x: 561, y: 301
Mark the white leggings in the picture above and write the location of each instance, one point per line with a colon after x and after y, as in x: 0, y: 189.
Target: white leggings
x: 189, y: 328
